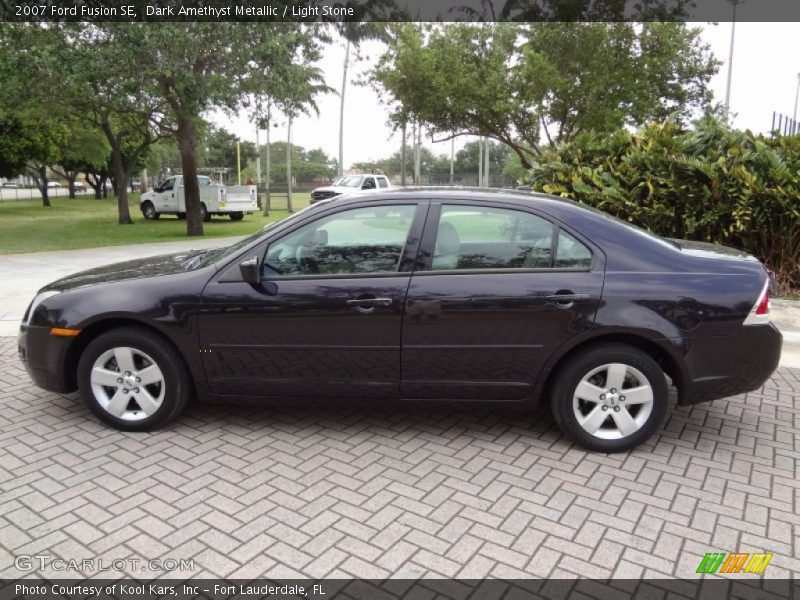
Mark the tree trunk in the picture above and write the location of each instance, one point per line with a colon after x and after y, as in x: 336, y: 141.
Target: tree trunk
x: 39, y: 173
x: 121, y: 191
x: 187, y: 142
x: 341, y: 110
x: 95, y: 182
x: 71, y: 177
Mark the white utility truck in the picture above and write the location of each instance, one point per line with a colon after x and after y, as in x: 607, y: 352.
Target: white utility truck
x: 215, y: 199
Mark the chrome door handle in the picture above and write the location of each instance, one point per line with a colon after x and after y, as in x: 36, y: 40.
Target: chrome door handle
x: 370, y: 301
x: 566, y: 297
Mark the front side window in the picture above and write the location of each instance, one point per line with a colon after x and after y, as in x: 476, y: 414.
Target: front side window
x: 168, y: 185
x: 357, y: 241
x: 474, y: 237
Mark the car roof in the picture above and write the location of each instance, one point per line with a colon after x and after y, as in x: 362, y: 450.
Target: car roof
x: 552, y: 204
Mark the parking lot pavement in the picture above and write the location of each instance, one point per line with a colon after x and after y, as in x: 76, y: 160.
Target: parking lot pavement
x: 316, y: 490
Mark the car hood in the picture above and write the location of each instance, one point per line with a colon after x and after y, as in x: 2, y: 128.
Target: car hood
x: 340, y: 189
x: 139, y: 268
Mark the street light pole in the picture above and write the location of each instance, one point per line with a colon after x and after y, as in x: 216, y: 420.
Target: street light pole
x: 730, y: 59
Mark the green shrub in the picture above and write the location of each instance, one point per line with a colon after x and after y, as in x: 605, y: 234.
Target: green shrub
x: 710, y: 183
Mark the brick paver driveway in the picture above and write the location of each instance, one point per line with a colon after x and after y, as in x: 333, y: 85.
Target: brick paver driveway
x: 377, y: 490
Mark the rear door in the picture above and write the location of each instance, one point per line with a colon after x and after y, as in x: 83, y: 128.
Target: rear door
x: 496, y: 290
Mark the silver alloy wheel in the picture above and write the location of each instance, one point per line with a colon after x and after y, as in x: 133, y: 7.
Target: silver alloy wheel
x: 613, y: 401
x: 127, y: 383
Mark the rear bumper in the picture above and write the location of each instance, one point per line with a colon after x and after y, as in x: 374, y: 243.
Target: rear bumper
x: 44, y: 357
x: 730, y: 365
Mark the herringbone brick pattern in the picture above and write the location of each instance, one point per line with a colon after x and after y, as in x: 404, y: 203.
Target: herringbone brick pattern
x: 392, y: 490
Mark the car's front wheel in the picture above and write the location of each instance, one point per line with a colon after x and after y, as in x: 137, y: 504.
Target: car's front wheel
x: 133, y: 379
x: 149, y: 211
x: 610, y: 398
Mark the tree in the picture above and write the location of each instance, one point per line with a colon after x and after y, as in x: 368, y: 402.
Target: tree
x: 84, y: 149
x: 467, y: 157
x: 90, y: 66
x: 196, y: 67
x: 217, y: 148
x: 518, y: 84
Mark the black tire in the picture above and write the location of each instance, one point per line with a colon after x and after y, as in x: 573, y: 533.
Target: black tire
x: 181, y: 216
x: 149, y: 211
x: 236, y: 216
x: 173, y: 389
x: 567, y: 404
x: 204, y: 214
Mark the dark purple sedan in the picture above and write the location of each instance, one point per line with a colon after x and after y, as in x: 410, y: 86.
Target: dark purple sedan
x: 417, y: 294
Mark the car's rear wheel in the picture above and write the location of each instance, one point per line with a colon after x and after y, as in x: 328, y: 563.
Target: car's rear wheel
x: 149, y: 211
x: 610, y: 398
x: 204, y: 214
x: 236, y: 216
x: 133, y: 379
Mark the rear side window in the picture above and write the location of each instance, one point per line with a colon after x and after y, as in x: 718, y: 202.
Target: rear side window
x: 383, y: 182
x: 572, y: 254
x: 477, y: 237
x: 472, y: 237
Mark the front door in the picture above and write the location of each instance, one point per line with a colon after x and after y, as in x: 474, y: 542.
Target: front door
x: 499, y: 290
x: 166, y: 201
x: 326, y: 318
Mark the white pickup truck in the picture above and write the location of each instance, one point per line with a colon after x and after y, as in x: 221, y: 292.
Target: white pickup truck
x: 351, y: 184
x: 169, y: 198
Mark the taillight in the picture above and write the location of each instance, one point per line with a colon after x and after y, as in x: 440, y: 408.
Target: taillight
x: 759, y: 314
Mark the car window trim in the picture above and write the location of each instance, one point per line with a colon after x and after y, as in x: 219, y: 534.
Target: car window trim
x: 425, y: 254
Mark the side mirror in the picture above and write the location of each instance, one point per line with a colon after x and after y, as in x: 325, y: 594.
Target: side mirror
x: 251, y: 270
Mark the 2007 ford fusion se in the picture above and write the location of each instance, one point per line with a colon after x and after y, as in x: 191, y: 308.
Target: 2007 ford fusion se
x: 417, y: 294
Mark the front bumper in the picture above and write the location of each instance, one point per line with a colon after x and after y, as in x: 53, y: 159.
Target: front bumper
x: 45, y: 358
x: 729, y: 365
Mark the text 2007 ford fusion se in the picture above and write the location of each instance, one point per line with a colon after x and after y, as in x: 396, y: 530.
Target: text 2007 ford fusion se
x: 417, y: 294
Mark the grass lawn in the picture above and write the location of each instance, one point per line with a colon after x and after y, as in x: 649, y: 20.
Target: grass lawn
x: 27, y: 226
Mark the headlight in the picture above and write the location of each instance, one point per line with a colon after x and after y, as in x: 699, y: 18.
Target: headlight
x: 40, y: 297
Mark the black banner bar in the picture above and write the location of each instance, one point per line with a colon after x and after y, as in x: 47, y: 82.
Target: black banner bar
x: 744, y: 587
x: 397, y: 10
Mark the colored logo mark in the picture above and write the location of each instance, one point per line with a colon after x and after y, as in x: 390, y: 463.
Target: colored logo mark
x: 737, y: 562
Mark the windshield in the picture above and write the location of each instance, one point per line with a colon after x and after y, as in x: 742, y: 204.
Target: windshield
x: 212, y: 256
x: 353, y: 181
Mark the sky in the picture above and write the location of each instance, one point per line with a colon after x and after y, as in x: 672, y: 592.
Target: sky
x: 766, y: 62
